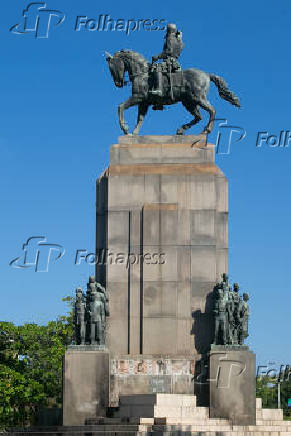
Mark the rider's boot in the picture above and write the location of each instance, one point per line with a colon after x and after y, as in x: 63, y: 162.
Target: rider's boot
x: 158, y: 84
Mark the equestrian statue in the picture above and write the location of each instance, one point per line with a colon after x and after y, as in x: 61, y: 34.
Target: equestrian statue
x: 158, y: 84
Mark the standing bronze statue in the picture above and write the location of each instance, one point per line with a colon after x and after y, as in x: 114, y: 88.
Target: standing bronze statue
x: 90, y: 314
x: 165, y: 83
x: 79, y: 317
x: 243, y: 313
x: 231, y: 314
x: 96, y: 319
x: 235, y: 311
x: 221, y: 320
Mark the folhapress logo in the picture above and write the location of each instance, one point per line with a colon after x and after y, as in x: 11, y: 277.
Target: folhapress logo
x: 38, y: 20
x: 38, y: 253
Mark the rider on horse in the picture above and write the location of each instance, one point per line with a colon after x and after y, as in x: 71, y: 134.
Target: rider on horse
x: 190, y: 87
x: 171, y: 51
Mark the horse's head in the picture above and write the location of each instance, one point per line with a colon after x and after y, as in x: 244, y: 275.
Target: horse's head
x: 117, y: 68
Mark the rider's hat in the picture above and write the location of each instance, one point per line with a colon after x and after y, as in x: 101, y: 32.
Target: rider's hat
x: 171, y: 27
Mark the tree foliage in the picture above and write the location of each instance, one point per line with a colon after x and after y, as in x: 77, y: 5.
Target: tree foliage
x: 267, y: 389
x: 31, y: 368
x: 285, y: 395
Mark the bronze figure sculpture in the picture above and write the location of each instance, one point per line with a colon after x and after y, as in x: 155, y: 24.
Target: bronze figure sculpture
x: 160, y: 84
x: 171, y: 52
x: 79, y: 317
x: 231, y: 314
x: 90, y: 314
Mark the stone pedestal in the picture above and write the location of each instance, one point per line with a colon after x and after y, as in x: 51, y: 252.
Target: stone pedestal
x: 85, y: 384
x: 162, y: 203
x: 233, y: 384
x: 145, y: 374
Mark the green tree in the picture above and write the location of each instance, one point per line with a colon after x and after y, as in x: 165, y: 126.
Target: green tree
x: 285, y: 395
x: 267, y: 389
x: 19, y: 397
x: 31, y: 367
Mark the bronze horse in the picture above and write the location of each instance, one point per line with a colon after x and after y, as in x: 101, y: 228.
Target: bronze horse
x: 190, y: 87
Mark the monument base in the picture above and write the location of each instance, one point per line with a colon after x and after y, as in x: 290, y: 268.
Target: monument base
x: 150, y: 374
x: 164, y: 415
x: 233, y: 384
x: 85, y: 384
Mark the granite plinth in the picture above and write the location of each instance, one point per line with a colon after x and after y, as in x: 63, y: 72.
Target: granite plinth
x: 162, y: 139
x: 85, y: 385
x: 233, y: 385
x: 163, y: 202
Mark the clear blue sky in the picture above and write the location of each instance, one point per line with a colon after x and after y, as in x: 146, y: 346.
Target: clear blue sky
x: 58, y: 120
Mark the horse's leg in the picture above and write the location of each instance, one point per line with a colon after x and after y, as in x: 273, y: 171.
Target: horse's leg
x: 194, y: 110
x: 204, y: 103
x: 142, y: 110
x: 132, y: 101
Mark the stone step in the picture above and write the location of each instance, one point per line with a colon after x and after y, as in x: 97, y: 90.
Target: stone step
x: 158, y: 421
x: 88, y: 429
x: 270, y: 414
x: 147, y: 421
x: 262, y: 428
x: 275, y: 422
x: 83, y: 432
x: 80, y: 433
x: 119, y: 421
x: 181, y: 430
x: 187, y: 431
x: 163, y: 411
x: 117, y: 427
x: 173, y: 411
x: 132, y: 408
x: 158, y: 399
x: 192, y: 421
x: 222, y: 428
x: 267, y: 428
x: 104, y: 420
x: 193, y: 431
x: 191, y: 427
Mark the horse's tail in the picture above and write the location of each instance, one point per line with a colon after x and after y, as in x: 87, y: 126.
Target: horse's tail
x: 223, y: 90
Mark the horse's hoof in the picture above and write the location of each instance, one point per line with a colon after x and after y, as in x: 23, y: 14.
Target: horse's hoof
x: 125, y: 129
x: 180, y: 132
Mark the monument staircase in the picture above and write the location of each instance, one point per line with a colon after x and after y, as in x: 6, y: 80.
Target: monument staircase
x: 168, y: 415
